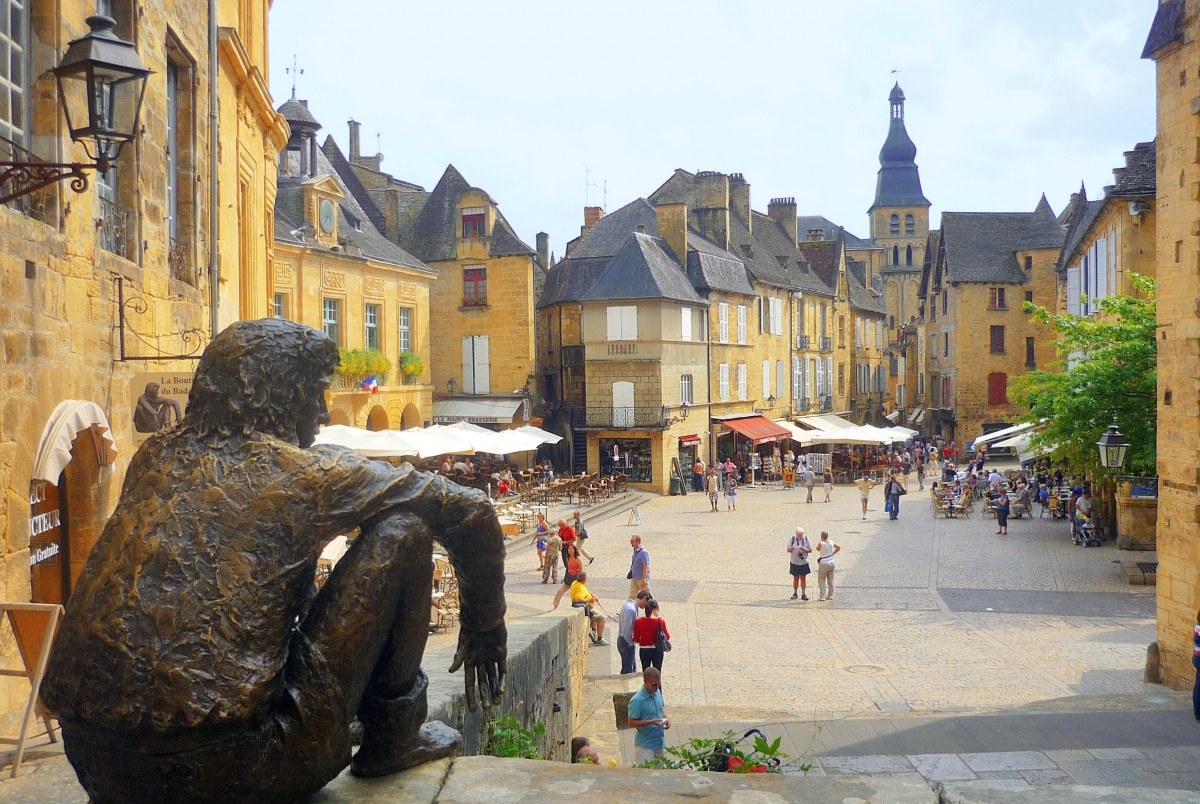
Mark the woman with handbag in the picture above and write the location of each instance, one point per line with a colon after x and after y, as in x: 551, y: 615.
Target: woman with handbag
x: 651, y: 636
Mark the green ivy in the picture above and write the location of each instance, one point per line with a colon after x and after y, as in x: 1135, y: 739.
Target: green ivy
x: 506, y: 737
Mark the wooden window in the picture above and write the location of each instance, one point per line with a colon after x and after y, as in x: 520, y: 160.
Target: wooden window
x: 280, y: 306
x: 622, y: 323
x: 998, y: 388
x: 780, y: 380
x: 475, y: 286
x: 766, y: 379
x: 331, y: 316
x: 371, y: 326
x: 1030, y: 353
x: 685, y: 389
x: 741, y: 323
x: 406, y: 322
x: 685, y: 324
x: 997, y: 333
x: 723, y: 373
x: 14, y: 69
x: 910, y: 227
x: 476, y: 365
x: 1028, y: 264
x: 996, y: 299
x: 474, y: 222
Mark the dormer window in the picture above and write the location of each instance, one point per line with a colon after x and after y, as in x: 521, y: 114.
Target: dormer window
x: 355, y: 223
x: 474, y: 222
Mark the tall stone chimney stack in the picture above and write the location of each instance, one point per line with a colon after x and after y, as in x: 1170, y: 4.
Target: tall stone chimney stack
x: 355, y: 137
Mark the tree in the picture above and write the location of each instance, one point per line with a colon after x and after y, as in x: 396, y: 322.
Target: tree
x: 1110, y: 377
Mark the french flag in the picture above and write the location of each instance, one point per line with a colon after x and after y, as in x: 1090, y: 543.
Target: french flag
x: 369, y: 384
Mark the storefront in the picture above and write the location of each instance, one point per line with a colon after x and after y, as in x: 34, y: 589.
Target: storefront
x: 632, y: 457
x: 749, y: 436
x: 689, y: 449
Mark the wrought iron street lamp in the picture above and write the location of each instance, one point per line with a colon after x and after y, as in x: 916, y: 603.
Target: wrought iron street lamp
x: 1112, y: 446
x: 451, y: 385
x: 101, y: 83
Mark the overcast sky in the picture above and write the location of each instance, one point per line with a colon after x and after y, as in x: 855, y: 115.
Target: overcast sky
x: 1006, y: 100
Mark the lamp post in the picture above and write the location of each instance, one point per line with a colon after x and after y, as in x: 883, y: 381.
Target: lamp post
x: 101, y: 83
x: 1112, y: 446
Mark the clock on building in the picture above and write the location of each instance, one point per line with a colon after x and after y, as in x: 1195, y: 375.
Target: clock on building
x: 326, y: 216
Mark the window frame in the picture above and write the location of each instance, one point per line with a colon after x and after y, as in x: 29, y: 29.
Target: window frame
x: 372, y: 337
x: 997, y: 298
x: 331, y: 326
x: 910, y: 225
x: 622, y: 322
x: 743, y: 380
x: 766, y: 378
x: 405, y: 327
x: 997, y: 382
x: 686, y: 389
x: 19, y: 41
x: 279, y: 306
x: 894, y: 225
x: 996, y: 336
x: 723, y: 322
x: 475, y: 290
x: 742, y: 322
x: 723, y: 381
x: 473, y: 223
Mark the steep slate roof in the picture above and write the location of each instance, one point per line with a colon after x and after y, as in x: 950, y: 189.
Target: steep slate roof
x: 791, y: 268
x: 675, y: 190
x: 611, y: 231
x: 831, y: 229
x: 342, y: 167
x: 981, y: 246
x: 1137, y: 178
x: 433, y: 234
x: 860, y: 297
x: 289, y: 206
x: 1165, y: 29
x: 899, y: 181
x: 570, y: 280
x: 643, y: 268
x: 822, y: 257
x: 711, y: 267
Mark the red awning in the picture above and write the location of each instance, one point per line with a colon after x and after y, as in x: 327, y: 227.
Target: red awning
x: 690, y: 440
x: 758, y: 429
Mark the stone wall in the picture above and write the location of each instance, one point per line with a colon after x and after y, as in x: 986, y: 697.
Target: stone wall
x: 1178, y: 268
x: 547, y: 660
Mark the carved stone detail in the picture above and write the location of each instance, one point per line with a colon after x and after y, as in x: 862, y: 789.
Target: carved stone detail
x: 372, y: 286
x: 334, y: 280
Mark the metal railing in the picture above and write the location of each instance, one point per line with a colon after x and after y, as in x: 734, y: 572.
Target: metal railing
x: 826, y: 344
x: 803, y: 341
x: 623, y: 418
x: 826, y: 403
x: 180, y: 262
x: 112, y: 228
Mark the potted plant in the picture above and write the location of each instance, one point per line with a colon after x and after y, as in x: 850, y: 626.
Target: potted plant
x: 411, y: 366
x: 355, y: 365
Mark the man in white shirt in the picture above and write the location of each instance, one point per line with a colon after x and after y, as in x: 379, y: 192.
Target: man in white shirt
x: 798, y: 549
x: 625, y: 646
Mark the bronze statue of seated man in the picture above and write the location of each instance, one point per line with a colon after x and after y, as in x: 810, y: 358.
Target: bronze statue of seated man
x: 198, y: 662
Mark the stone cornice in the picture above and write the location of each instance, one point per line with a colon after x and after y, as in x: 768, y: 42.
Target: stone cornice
x: 248, y: 78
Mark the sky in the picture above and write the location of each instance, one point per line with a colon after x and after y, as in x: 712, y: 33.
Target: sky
x: 552, y: 106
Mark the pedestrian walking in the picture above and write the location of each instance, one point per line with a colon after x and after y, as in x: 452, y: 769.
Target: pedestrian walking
x: 646, y: 632
x: 827, y: 482
x: 626, y: 619
x: 714, y: 489
x: 826, y: 550
x: 894, y: 490
x: 698, y: 475
x: 1001, y: 505
x: 920, y: 474
x: 1196, y: 664
x: 647, y: 714
x: 572, y: 566
x: 865, y: 484
x: 581, y: 536
x: 639, y: 567
x: 798, y: 549
x: 731, y: 485
x: 550, y: 560
x: 810, y: 480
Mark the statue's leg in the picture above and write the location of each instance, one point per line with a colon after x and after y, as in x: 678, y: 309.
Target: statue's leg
x: 371, y: 622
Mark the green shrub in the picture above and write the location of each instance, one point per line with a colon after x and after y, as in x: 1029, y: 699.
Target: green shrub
x: 359, y: 363
x: 701, y: 754
x: 411, y: 364
x: 506, y: 737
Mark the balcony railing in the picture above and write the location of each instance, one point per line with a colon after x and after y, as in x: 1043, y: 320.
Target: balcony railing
x: 112, y: 228
x: 624, y: 418
x: 826, y: 344
x: 826, y: 403
x: 803, y: 404
x: 180, y: 262
x: 803, y: 341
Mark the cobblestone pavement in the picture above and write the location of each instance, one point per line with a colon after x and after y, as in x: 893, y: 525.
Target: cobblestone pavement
x: 929, y: 614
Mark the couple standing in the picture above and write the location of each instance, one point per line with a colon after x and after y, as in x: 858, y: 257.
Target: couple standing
x: 799, y: 549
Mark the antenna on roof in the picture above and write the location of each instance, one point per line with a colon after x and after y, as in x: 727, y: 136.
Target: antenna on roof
x: 588, y: 184
x: 294, y: 71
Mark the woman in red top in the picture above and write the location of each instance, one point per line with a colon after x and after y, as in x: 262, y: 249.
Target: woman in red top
x: 572, y: 566
x: 645, y: 633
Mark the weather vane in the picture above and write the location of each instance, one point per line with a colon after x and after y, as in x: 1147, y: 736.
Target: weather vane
x: 296, y: 71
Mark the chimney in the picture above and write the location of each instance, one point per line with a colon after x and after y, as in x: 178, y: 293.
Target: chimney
x: 672, y: 227
x: 312, y: 155
x: 592, y: 216
x: 711, y: 197
x: 815, y: 234
x: 783, y: 210
x: 355, y: 139
x: 739, y: 199
x: 543, y: 249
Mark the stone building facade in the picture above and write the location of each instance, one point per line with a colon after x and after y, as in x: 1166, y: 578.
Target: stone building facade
x: 979, y: 338
x: 482, y: 362
x: 142, y: 235
x: 1174, y: 44
x: 335, y: 272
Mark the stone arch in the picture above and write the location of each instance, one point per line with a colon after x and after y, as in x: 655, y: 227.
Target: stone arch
x: 411, y: 417
x: 339, y: 416
x: 377, y: 419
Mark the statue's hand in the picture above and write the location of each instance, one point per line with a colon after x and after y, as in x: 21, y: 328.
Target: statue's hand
x: 484, y: 655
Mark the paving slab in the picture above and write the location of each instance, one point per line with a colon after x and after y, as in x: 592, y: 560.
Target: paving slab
x: 992, y: 793
x: 1106, y: 772
x: 1008, y: 761
x: 941, y: 767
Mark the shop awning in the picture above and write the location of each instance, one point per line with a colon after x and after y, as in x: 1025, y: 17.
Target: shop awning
x: 759, y: 429
x: 827, y: 422
x: 999, y: 434
x: 689, y: 441
x: 916, y: 416
x: 67, y: 421
x: 893, y: 417
x: 485, y: 410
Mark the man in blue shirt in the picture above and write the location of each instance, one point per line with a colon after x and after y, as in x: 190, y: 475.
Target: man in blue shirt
x: 625, y: 646
x: 647, y: 716
x: 639, y: 569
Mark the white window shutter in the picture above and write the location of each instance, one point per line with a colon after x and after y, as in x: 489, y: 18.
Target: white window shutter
x: 614, y: 323
x: 1073, y: 291
x: 766, y: 379
x: 629, y: 329
x: 780, y: 381
x: 468, y: 364
x: 829, y: 376
x: 685, y: 323
x: 820, y: 377
x: 483, y: 381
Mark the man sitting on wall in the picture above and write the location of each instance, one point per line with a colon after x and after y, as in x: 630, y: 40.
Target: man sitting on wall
x: 197, y: 661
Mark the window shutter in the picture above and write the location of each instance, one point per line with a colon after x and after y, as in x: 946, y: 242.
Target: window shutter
x: 829, y: 376
x: 780, y: 381
x: 1073, y: 291
x: 820, y: 377
x: 766, y: 379
x: 483, y: 382
x: 468, y: 364
x: 723, y: 322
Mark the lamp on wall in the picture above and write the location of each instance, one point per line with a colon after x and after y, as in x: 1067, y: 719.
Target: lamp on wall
x: 770, y: 405
x: 451, y: 385
x: 668, y: 419
x: 1112, y: 446
x: 101, y: 82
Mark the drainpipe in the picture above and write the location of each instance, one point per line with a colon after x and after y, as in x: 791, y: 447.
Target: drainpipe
x: 712, y: 446
x: 214, y: 260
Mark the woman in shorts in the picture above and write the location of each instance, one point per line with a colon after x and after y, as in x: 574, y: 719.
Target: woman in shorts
x: 827, y: 482
x: 571, y: 570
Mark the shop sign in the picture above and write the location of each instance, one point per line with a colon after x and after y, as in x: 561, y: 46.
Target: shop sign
x: 45, y: 524
x: 157, y: 401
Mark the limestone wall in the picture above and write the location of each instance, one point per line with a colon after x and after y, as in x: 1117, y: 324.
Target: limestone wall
x: 547, y: 659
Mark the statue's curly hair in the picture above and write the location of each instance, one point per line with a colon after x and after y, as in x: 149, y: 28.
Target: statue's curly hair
x: 255, y: 375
